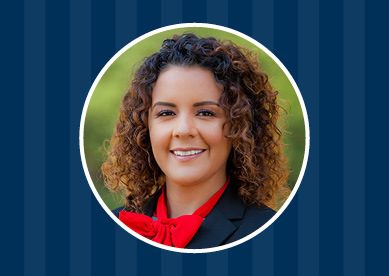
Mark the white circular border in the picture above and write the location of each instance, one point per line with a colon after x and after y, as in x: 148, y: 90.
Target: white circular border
x: 198, y: 25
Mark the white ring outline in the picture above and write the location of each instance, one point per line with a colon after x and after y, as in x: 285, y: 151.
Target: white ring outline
x: 247, y: 38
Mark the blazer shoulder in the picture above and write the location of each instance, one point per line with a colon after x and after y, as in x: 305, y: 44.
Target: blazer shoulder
x: 257, y: 215
x: 117, y: 211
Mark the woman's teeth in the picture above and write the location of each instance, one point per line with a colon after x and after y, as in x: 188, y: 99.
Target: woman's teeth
x: 187, y: 153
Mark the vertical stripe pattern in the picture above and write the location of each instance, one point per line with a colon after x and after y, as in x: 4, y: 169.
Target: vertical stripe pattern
x: 80, y: 198
x: 57, y: 138
x: 285, y: 47
x: 34, y: 138
x: 331, y: 137
x: 102, y: 49
x: 308, y: 79
x: 354, y: 138
x: 334, y: 52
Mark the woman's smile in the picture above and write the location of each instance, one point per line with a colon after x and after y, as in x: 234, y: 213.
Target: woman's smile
x: 187, y: 154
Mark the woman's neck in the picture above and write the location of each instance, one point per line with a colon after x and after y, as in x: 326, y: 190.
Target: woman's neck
x: 185, y: 199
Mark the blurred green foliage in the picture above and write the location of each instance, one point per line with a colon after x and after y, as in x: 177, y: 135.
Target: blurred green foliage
x: 104, y: 105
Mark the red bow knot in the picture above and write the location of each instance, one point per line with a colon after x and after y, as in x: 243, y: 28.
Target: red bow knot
x: 177, y: 232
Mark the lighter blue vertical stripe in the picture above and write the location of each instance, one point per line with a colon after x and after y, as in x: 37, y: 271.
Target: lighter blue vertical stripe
x: 217, y: 12
x: 217, y: 263
x: 34, y: 138
x: 126, y: 22
x: 354, y: 138
x: 126, y: 252
x: 171, y: 12
x: 79, y: 83
x: 171, y: 263
x: 308, y: 72
x: 263, y: 32
x: 263, y: 22
x: 263, y: 253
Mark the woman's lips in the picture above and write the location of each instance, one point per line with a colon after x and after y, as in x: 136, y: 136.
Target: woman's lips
x: 187, y: 154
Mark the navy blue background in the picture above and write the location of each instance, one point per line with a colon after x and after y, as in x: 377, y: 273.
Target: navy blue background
x: 53, y: 50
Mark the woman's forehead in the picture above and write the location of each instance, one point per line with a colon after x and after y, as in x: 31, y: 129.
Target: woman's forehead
x: 186, y: 83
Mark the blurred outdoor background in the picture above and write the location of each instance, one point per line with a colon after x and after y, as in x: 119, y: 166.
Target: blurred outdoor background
x: 104, y: 105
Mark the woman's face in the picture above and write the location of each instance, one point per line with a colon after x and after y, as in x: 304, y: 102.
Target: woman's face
x: 188, y: 127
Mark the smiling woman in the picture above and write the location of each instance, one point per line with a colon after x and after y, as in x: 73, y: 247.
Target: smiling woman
x: 196, y: 150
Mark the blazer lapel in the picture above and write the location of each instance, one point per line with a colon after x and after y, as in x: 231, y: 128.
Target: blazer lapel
x: 218, y: 225
x: 215, y: 229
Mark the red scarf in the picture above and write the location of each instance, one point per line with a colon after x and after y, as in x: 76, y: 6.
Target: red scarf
x: 177, y: 232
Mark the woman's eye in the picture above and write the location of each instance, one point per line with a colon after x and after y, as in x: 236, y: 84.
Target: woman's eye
x: 205, y: 113
x: 164, y: 113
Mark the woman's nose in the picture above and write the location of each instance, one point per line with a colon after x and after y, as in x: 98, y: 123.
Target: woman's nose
x: 184, y: 126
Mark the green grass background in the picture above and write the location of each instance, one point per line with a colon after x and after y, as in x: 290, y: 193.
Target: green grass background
x: 104, y: 105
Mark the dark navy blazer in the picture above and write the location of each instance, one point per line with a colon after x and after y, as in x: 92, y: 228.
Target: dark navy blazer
x: 230, y: 220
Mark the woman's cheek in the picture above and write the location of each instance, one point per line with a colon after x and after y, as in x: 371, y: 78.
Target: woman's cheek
x: 162, y: 135
x: 214, y: 132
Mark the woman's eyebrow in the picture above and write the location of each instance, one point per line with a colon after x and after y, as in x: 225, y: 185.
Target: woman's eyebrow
x: 163, y: 104
x: 206, y: 103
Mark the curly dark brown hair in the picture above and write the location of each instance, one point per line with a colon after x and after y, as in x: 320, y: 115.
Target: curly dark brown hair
x: 256, y: 162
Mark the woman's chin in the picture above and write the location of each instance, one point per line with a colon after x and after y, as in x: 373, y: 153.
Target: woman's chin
x: 184, y: 179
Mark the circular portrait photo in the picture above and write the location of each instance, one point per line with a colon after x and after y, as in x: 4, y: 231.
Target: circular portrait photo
x: 194, y: 138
